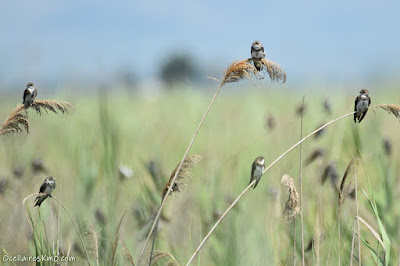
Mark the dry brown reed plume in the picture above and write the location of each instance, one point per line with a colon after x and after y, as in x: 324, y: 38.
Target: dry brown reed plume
x: 180, y: 182
x: 239, y: 70
x: 292, y: 208
x: 393, y: 109
x: 53, y: 106
x: 274, y: 70
x: 15, y: 122
x: 116, y: 241
x: 18, y: 119
x: 183, y: 174
x: 244, y: 69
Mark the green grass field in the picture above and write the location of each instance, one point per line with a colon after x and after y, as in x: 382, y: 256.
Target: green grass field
x: 84, y: 150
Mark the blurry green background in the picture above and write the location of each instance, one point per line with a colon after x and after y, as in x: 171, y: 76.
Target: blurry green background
x: 83, y: 151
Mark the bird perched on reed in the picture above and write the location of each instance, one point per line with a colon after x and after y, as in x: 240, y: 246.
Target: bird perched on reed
x: 257, y: 53
x: 47, y: 187
x: 30, y: 94
x: 257, y: 170
x: 361, y: 105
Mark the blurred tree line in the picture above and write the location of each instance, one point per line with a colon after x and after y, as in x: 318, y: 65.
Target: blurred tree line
x: 178, y: 68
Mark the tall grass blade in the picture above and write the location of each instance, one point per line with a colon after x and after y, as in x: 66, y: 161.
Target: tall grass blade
x: 385, y: 237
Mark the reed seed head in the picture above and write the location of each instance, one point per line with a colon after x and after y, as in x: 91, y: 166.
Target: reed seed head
x: 292, y: 204
x: 239, y: 70
x: 53, y: 106
x: 15, y: 122
x: 275, y: 71
x: 183, y: 174
x: 393, y: 109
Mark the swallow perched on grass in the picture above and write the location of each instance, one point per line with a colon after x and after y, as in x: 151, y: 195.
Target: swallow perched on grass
x: 361, y: 105
x: 257, y: 53
x: 257, y: 170
x: 47, y: 187
x: 30, y: 94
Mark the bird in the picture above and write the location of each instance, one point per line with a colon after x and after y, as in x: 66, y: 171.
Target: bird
x: 257, y: 53
x: 257, y: 170
x: 361, y: 105
x: 47, y: 187
x: 30, y: 94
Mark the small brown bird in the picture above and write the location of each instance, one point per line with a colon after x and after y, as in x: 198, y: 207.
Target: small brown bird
x: 257, y: 53
x: 257, y: 170
x: 47, y: 187
x: 30, y: 94
x: 361, y: 105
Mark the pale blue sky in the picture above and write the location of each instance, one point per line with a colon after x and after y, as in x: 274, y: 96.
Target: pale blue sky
x: 315, y: 41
